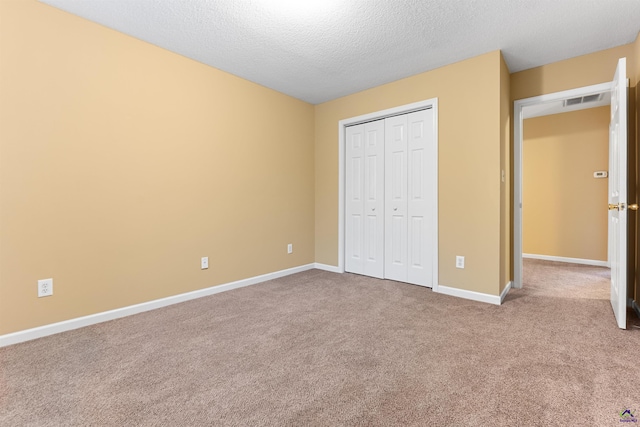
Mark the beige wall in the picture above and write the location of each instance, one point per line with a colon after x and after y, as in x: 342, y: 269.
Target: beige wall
x: 469, y: 161
x: 505, y: 166
x: 563, y: 206
x: 121, y: 164
x: 572, y: 73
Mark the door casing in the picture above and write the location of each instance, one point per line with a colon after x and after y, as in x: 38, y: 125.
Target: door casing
x: 518, y: 123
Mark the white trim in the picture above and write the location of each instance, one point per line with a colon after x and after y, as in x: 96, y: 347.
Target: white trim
x: 505, y: 291
x: 584, y: 261
x: 517, y: 162
x: 326, y: 267
x: 435, y: 230
x: 341, y: 191
x: 92, y: 319
x: 471, y: 295
x: 342, y: 124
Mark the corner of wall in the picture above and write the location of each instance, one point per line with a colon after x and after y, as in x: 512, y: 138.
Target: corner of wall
x: 505, y: 175
x: 145, y: 164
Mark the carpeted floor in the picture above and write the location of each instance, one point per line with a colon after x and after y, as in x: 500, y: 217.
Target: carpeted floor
x: 320, y: 348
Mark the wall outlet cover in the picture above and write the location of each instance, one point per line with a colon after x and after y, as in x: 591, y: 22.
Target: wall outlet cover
x: 45, y: 288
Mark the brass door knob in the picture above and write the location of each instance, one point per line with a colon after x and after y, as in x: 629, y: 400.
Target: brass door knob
x: 614, y: 207
x: 633, y: 207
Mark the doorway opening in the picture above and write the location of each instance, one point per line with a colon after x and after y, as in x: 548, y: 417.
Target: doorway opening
x: 564, y: 191
x: 539, y: 106
x: 618, y: 205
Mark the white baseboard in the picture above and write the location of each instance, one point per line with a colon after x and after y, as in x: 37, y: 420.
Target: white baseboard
x: 505, y: 291
x: 326, y: 267
x: 79, y: 322
x: 472, y: 295
x: 593, y: 262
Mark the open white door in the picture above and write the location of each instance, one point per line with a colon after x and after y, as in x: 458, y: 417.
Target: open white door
x: 618, y: 193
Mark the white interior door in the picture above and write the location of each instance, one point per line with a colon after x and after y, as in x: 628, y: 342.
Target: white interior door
x: 374, y: 199
x: 354, y: 200
x: 410, y: 197
x: 618, y: 194
x: 364, y: 240
x: 396, y: 206
x: 421, y: 197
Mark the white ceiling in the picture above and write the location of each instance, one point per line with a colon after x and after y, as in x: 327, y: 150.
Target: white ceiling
x: 318, y: 50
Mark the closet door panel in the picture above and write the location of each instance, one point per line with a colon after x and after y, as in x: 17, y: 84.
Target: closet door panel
x: 364, y: 197
x: 374, y: 199
x: 420, y: 197
x: 354, y: 199
x: 396, y: 227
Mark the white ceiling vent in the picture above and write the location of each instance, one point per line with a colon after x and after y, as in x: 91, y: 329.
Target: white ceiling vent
x: 582, y: 99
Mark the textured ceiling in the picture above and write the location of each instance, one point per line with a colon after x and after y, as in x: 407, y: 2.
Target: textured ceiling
x: 318, y: 50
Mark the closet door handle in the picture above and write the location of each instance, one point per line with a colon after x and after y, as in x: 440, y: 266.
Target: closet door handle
x: 395, y: 209
x: 373, y: 209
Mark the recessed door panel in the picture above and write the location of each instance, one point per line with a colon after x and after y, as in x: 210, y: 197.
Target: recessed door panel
x: 356, y: 138
x: 398, y: 131
x: 417, y: 175
x: 398, y: 235
x: 356, y: 182
x: 398, y: 176
x: 372, y: 166
x: 371, y: 238
x: 416, y: 235
x: 356, y: 236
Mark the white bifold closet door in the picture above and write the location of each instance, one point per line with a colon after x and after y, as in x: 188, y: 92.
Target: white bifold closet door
x: 364, y: 244
x: 388, y: 198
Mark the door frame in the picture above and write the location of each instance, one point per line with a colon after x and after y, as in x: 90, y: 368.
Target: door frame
x: 518, y: 124
x: 395, y: 111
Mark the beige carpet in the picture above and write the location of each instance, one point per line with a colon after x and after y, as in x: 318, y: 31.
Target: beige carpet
x: 319, y: 348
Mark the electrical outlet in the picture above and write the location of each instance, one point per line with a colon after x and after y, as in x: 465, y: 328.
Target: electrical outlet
x: 459, y: 262
x: 290, y: 248
x: 45, y: 288
x: 204, y: 262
